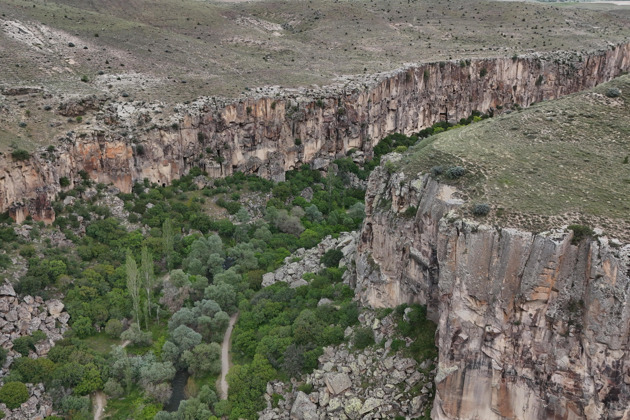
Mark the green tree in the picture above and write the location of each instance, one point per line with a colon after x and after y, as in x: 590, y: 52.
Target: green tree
x: 203, y: 359
x: 82, y: 327
x: 133, y: 286
x: 247, y: 386
x: 13, y: 394
x: 147, y: 276
x: 168, y: 242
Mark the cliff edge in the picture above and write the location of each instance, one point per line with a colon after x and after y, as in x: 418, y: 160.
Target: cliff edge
x: 530, y: 324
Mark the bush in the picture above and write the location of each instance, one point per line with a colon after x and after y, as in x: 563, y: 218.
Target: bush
x: 332, y: 257
x: 363, y: 337
x: 455, y: 172
x: 483, y: 72
x: 481, y: 209
x: 20, y: 154
x: 437, y: 170
x: 82, y: 327
x: 23, y: 344
x: 113, y: 328
x: 13, y: 394
x: 137, y: 336
x: 3, y: 355
x: 306, y: 388
x: 580, y: 232
x: 64, y: 181
x: 613, y: 93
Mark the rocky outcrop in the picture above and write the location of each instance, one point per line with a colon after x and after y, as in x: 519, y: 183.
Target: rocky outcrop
x: 269, y: 135
x: 529, y: 325
x: 305, y: 261
x: 22, y: 317
x: 374, y: 383
x: 38, y: 406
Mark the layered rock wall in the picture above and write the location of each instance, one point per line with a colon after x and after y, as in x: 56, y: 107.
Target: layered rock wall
x: 529, y: 326
x: 258, y: 135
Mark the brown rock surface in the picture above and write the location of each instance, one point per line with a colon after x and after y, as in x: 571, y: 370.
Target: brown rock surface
x: 530, y: 326
x: 257, y: 135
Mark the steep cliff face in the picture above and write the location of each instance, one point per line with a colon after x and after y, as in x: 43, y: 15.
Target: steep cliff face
x: 258, y: 135
x: 530, y: 326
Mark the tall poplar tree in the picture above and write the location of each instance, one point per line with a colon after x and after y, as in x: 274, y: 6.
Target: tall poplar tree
x: 133, y: 285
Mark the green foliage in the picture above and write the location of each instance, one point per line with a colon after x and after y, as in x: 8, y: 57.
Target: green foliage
x: 613, y: 92
x: 13, y: 394
x: 33, y: 370
x: 306, y: 388
x: 483, y: 72
x: 332, y: 257
x: 247, y: 384
x: 23, y: 345
x: 580, y: 233
x: 20, y: 154
x: 64, y: 181
x: 363, y: 337
x: 113, y: 328
x: 420, y: 329
x: 455, y: 172
x: 481, y: 209
x: 82, y: 327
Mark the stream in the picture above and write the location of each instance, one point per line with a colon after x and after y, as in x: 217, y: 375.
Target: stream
x: 178, y: 384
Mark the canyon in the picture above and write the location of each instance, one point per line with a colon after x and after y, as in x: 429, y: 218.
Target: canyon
x: 529, y: 325
x: 271, y: 134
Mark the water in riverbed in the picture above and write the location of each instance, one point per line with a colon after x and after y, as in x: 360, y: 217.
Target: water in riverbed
x: 178, y: 384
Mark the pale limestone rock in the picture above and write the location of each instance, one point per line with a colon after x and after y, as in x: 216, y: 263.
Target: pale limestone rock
x: 303, y: 408
x: 55, y: 307
x: 337, y: 382
x: 529, y: 325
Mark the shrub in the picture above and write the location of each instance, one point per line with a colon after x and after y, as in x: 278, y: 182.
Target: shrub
x: 306, y: 388
x: 437, y: 171
x: 137, y: 336
x: 332, y: 257
x: 20, y: 154
x: 455, y: 172
x: 411, y: 211
x: 82, y: 327
x: 23, y: 344
x: 481, y: 209
x: 613, y: 93
x: 64, y: 181
x: 297, y: 142
x: 113, y: 328
x: 363, y: 337
x: 483, y: 72
x: 3, y: 355
x: 13, y: 394
x: 85, y: 79
x: 580, y: 232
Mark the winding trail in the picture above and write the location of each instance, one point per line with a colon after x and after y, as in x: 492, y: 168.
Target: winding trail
x: 99, y: 399
x: 222, y: 384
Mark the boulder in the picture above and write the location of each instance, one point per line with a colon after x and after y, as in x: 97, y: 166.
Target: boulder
x: 303, y: 408
x: 371, y: 404
x: 55, y: 307
x: 338, y: 382
x: 7, y: 290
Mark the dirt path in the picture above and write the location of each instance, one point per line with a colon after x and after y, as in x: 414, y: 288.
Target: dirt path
x: 98, y: 403
x: 222, y: 384
x: 99, y: 399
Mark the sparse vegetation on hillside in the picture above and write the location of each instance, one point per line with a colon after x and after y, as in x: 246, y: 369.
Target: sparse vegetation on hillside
x: 552, y: 164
